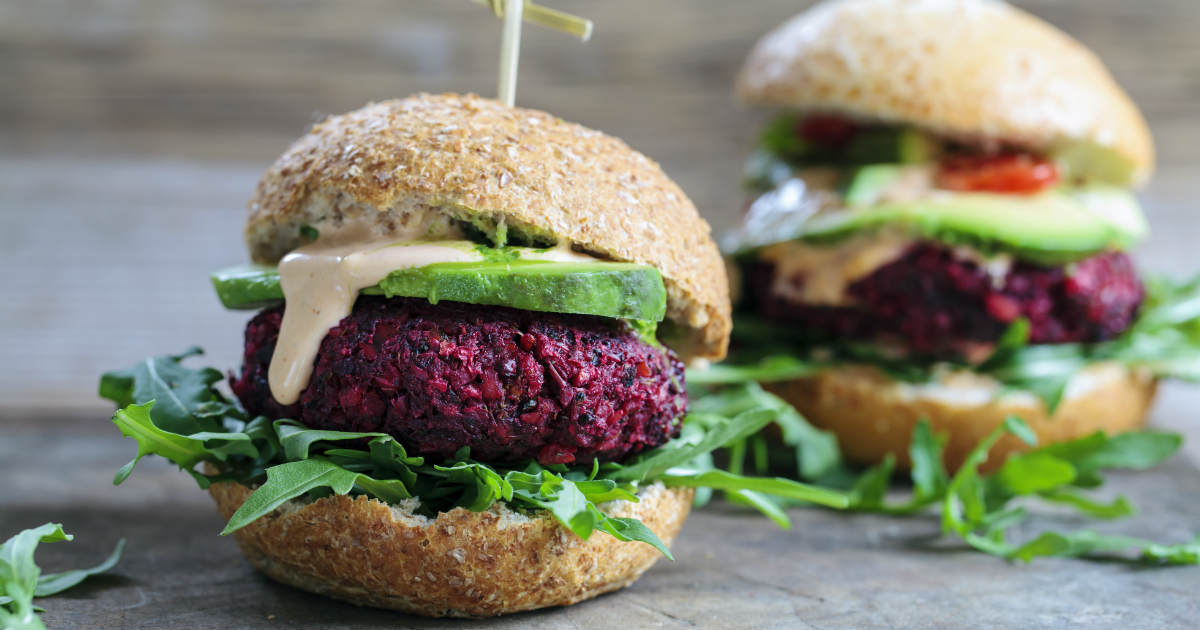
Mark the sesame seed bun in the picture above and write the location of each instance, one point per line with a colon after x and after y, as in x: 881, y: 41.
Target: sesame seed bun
x: 460, y: 564
x: 397, y: 163
x: 973, y: 69
x: 873, y: 414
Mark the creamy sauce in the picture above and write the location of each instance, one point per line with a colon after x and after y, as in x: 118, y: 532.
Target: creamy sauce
x: 960, y: 387
x: 321, y: 281
x: 825, y: 271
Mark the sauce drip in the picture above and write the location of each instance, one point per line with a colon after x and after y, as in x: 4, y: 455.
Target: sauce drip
x: 825, y: 271
x: 321, y: 281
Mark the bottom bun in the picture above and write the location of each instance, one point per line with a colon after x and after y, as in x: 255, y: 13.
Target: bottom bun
x: 873, y: 414
x: 460, y: 564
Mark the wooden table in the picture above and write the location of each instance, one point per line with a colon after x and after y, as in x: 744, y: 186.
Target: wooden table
x: 132, y: 133
x: 733, y: 568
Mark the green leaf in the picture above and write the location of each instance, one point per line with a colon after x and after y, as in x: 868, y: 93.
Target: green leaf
x: 479, y: 485
x: 1017, y: 427
x: 763, y: 504
x: 630, y: 529
x: 721, y: 431
x: 871, y: 488
x: 1090, y: 543
x: 1137, y: 450
x: 556, y: 495
x: 777, y: 486
x: 929, y: 474
x: 19, y: 575
x: 178, y: 391
x: 135, y: 422
x: 54, y: 583
x: 770, y: 369
x: 963, y: 507
x: 603, y: 490
x: 294, y: 479
x: 1034, y: 472
x: 1119, y: 507
x: 297, y: 439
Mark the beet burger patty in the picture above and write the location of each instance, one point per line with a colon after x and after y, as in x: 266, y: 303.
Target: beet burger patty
x: 932, y: 300
x: 511, y: 385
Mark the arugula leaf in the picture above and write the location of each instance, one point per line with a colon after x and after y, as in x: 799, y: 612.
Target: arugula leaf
x: 778, y: 486
x: 718, y: 432
x: 288, y: 460
x: 629, y: 529
x: 21, y: 579
x: 929, y: 475
x: 297, y: 439
x: 816, y: 451
x: 871, y: 488
x: 55, y: 583
x: 978, y: 510
x: 770, y: 369
x: 1119, y: 507
x: 295, y: 479
x: 178, y: 390
x: 1090, y: 543
x: 135, y: 421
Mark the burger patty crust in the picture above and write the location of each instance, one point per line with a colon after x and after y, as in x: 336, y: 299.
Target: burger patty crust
x: 933, y: 301
x: 512, y: 385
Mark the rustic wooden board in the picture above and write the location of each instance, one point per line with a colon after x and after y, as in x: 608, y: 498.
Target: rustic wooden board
x: 131, y: 134
x: 734, y: 569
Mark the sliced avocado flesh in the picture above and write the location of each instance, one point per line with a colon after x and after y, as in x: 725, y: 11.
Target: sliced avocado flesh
x: 1051, y: 228
x: 867, y: 183
x: 608, y: 289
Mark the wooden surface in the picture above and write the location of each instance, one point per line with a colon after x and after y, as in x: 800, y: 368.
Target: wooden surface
x: 131, y: 133
x: 733, y: 569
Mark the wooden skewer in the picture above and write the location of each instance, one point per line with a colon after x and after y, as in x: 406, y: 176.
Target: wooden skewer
x: 510, y: 51
x: 546, y: 17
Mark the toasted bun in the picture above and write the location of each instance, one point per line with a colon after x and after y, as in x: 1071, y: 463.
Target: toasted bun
x: 503, y: 169
x: 461, y: 564
x: 977, y: 69
x: 873, y: 415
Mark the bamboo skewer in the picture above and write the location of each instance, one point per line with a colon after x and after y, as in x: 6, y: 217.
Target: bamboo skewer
x: 514, y: 13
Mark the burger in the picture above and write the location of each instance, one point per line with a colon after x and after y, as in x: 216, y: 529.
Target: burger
x: 468, y: 358
x: 939, y: 227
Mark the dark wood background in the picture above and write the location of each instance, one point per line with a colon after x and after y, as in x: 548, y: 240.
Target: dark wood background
x: 132, y: 132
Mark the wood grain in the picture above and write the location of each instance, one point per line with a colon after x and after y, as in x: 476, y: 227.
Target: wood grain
x: 132, y: 132
x: 733, y: 570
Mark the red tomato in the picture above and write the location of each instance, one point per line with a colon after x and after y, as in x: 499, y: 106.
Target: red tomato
x: 1014, y: 173
x: 826, y: 130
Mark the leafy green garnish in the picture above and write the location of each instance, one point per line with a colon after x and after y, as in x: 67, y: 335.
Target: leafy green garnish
x: 21, y: 579
x: 289, y: 461
x: 982, y: 510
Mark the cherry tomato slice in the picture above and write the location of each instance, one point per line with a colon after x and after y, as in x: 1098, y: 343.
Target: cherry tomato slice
x: 1013, y: 173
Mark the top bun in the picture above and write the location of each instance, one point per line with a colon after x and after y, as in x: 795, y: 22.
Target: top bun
x: 973, y: 69
x: 505, y: 170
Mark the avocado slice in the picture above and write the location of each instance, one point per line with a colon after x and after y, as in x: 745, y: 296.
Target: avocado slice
x: 867, y: 183
x: 1052, y: 228
x: 608, y: 289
